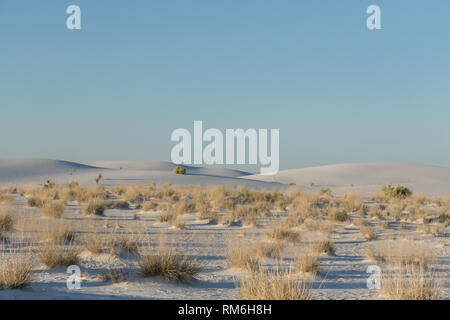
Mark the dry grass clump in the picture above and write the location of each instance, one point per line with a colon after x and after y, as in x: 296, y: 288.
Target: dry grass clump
x: 243, y: 257
x: 179, y: 223
x: 167, y: 216
x: 337, y: 215
x: 434, y: 229
x: 376, y: 211
x: 15, y: 269
x: 307, y: 262
x: 283, y: 233
x: 170, y: 265
x: 6, y: 220
x: 247, y: 214
x: 117, y: 204
x: 351, y: 201
x: 35, y: 202
x: 323, y: 246
x: 112, y: 243
x: 5, y: 199
x: 303, y: 204
x: 368, y: 233
x: 410, y: 283
x: 183, y: 207
x: 396, y: 210
x: 128, y: 244
x: 134, y: 194
x: 95, y: 206
x: 53, y: 255
x: 401, y: 252
x: 268, y: 249
x: 57, y: 233
x: 94, y: 244
x: 113, y: 275
x: 53, y: 209
x: 149, y: 206
x: 274, y: 285
x: 211, y: 216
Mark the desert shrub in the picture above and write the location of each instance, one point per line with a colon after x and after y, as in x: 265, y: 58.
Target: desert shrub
x: 307, y: 262
x: 323, y: 246
x: 15, y: 269
x: 48, y: 184
x: 351, y: 201
x: 112, y: 275
x: 283, y: 233
x: 375, y: 211
x: 410, y: 283
x: 282, y: 202
x: 53, y: 209
x: 435, y: 229
x: 179, y: 223
x: 35, y: 202
x: 128, y: 244
x: 170, y: 265
x: 57, y: 233
x: 73, y: 185
x: 268, y: 249
x: 368, y: 233
x: 398, y: 191
x: 337, y: 215
x: 117, y: 204
x: 396, y: 209
x: 183, y: 207
x: 274, y: 285
x: 304, y: 203
x: 179, y: 170
x: 168, y: 215
x: 243, y: 256
x: 99, y: 178
x: 149, y: 206
x: 325, y: 192
x: 6, y: 221
x: 95, y: 207
x: 94, y: 244
x: 4, y: 199
x: 401, y: 253
x: 53, y: 256
x: 134, y: 194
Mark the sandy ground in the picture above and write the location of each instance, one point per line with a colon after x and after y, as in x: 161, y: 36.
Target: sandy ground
x: 341, y: 276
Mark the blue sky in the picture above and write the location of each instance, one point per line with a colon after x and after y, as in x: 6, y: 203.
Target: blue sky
x: 137, y: 70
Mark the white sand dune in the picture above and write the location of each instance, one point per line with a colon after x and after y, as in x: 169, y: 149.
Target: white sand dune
x: 166, y: 166
x: 19, y: 171
x: 367, y: 177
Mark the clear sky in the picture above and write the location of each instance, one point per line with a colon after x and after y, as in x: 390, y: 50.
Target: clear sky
x: 137, y: 70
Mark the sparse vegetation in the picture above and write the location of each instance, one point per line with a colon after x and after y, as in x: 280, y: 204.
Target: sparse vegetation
x: 95, y: 207
x: 410, y: 283
x: 53, y: 256
x: 323, y: 246
x: 399, y: 191
x: 295, y: 229
x: 15, y: 268
x: 6, y: 220
x: 179, y: 170
x: 283, y: 233
x: 274, y: 285
x: 53, y: 209
x: 170, y: 265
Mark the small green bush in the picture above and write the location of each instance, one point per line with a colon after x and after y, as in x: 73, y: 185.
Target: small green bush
x: 337, y: 215
x: 179, y: 170
x: 398, y: 191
